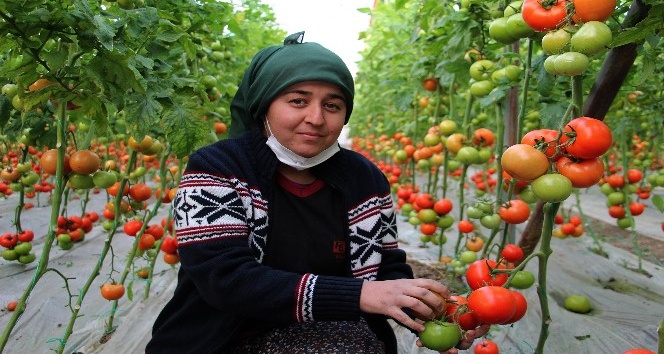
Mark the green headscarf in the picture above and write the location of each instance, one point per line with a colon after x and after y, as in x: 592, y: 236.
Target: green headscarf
x: 275, y: 68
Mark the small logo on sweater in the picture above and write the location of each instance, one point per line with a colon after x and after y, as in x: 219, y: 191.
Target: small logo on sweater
x: 339, y: 248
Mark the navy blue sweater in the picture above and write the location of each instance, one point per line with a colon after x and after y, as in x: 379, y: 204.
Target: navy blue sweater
x: 222, y: 220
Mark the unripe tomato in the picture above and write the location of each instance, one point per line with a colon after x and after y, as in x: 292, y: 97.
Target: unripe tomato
x: 524, y: 162
x: 571, y: 63
x: 552, y: 187
x: 556, y: 42
x: 440, y: 336
x: 592, y: 38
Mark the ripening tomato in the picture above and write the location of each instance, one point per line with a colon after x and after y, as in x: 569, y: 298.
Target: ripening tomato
x: 480, y: 273
x: 586, y: 137
x: 543, y: 140
x: 636, y: 208
x: 84, y: 162
x: 112, y: 291
x: 593, y: 10
x: 483, y: 137
x: 524, y: 162
x: 514, y: 211
x: 169, y: 245
x: 430, y: 84
x: 541, y: 17
x: 583, y: 173
x: 492, y: 304
x: 171, y: 258
x: 424, y: 201
x: 49, y: 159
x: 486, y: 346
x: 457, y: 312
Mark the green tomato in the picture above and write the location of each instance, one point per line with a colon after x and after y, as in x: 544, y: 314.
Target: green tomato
x: 23, y: 248
x: 481, y: 69
x: 468, y: 155
x: 517, y: 27
x: 616, y: 198
x: 552, y: 187
x: 499, y: 31
x: 440, y: 336
x: 467, y: 257
x: 445, y: 221
x: 27, y: 258
x: 606, y: 189
x: 556, y: 42
x: 481, y: 88
x: 592, y: 38
x: 453, y: 165
x: 9, y: 254
x: 79, y: 181
x: 624, y: 223
x: 474, y: 213
x: 571, y: 63
x: 104, y: 179
x: 30, y: 179
x: 550, y: 64
x: 523, y: 279
x: 527, y: 195
x: 513, y: 8
x: 578, y: 304
x: 491, y: 222
x: 10, y: 90
x: 513, y: 72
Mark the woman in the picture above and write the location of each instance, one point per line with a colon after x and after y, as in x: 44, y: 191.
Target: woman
x: 288, y: 242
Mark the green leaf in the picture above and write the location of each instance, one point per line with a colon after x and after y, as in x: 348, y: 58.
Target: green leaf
x: 658, y: 202
x: 142, y: 115
x: 183, y: 130
x: 5, y: 110
x: 637, y: 34
x: 105, y: 32
x: 130, y: 291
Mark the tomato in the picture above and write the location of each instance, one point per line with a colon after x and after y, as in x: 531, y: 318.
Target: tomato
x: 517, y: 27
x: 543, y: 140
x: 481, y: 88
x: 468, y: 155
x: 523, y: 279
x: 171, y: 258
x: 443, y: 206
x: 524, y: 162
x: 84, y: 162
x: 39, y: 84
x: 430, y: 84
x: 638, y: 351
x: 592, y: 38
x: 512, y: 253
x: 479, y: 274
x: 440, y: 336
x: 112, y: 291
x: 544, y: 15
x: 141, y: 146
x: 636, y: 208
x: 486, y: 346
x: 615, y: 180
x: 617, y: 211
x: 115, y: 188
x: 634, y: 175
x: 104, y: 179
x: 473, y: 212
x: 577, y: 303
x: 155, y: 230
x: 552, y: 187
x: 8, y: 240
x: 491, y: 221
x: 514, y: 211
x: 424, y: 201
x: 26, y: 236
x: 132, y: 227
x: 9, y: 174
x: 586, y: 137
x: 220, y: 127
x: 80, y: 181
x: 140, y: 192
x: 169, y: 245
x: 146, y: 241
x: 499, y: 31
x: 457, y: 312
x: 521, y: 307
x: 483, y: 137
x: 48, y: 162
x: 447, y: 127
x: 143, y: 273
x: 466, y: 226
x: 474, y: 243
x: 571, y: 64
x: 481, y: 69
x: 492, y: 304
x: 582, y: 174
x: 556, y: 42
x: 467, y: 257
x: 593, y: 10
x: 454, y: 142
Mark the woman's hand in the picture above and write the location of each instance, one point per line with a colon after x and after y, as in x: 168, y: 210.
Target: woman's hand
x: 467, y: 340
x: 388, y: 297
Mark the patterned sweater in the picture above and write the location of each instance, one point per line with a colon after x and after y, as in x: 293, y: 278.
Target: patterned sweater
x: 222, y: 221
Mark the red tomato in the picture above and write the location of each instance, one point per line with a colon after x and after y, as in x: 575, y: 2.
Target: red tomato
x: 466, y: 226
x: 584, y: 173
x: 443, y: 206
x: 479, y: 274
x: 543, y: 140
x: 586, y: 138
x: 636, y: 208
x: 111, y: 291
x: 514, y: 211
x: 424, y: 201
x: 492, y: 304
x: 512, y: 253
x: 521, y: 307
x: 541, y: 18
x: 132, y: 227
x: 483, y: 137
x: 457, y: 312
x: 617, y: 211
x: 146, y: 241
x: 169, y: 245
x: 634, y: 175
x: 486, y: 346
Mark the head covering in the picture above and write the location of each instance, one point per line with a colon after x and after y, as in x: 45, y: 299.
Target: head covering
x: 275, y: 68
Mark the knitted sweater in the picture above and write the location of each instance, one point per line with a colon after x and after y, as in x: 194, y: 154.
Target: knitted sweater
x: 222, y: 220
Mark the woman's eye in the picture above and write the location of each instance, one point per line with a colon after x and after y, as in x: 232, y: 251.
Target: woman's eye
x: 298, y: 101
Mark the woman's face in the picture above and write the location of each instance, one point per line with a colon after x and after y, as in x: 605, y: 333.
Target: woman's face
x: 307, y: 117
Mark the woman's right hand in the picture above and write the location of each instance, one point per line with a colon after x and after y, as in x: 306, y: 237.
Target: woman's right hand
x: 388, y: 297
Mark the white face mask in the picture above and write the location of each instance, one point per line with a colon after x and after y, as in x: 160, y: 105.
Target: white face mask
x: 288, y: 157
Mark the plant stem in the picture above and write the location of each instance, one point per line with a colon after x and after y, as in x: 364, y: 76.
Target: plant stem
x: 550, y: 210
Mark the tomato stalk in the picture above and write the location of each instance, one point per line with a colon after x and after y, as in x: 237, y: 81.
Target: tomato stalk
x: 462, y: 181
x: 42, y: 264
x: 628, y: 213
x: 550, y: 210
x: 599, y: 249
x: 100, y: 260
x: 660, y: 333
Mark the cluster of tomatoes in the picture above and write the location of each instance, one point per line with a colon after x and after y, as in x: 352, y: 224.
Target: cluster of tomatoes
x: 485, y: 76
x: 574, y: 153
x: 18, y: 246
x: 568, y: 226
x: 623, y: 193
x: 22, y: 176
x: 72, y: 229
x: 425, y: 212
x: 490, y: 301
x: 511, y: 27
x: 571, y: 36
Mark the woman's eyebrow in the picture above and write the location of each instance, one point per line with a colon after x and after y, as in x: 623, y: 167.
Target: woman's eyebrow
x: 309, y: 93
